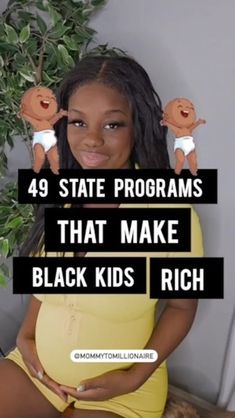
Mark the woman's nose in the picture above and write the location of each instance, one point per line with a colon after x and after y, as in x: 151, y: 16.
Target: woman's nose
x: 93, y: 139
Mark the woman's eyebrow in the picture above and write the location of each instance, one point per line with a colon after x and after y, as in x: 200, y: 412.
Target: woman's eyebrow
x: 105, y: 113
x: 115, y: 111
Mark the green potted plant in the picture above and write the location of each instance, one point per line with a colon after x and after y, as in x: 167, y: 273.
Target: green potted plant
x: 40, y: 40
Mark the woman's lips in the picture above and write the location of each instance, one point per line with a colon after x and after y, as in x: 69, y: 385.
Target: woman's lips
x: 93, y: 159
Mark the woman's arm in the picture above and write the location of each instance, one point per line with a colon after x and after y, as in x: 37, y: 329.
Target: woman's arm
x: 27, y: 329
x: 26, y: 339
x: 173, y: 325
x: 26, y: 344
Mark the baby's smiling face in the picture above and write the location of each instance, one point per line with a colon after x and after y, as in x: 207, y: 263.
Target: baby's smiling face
x: 181, y: 112
x: 40, y: 102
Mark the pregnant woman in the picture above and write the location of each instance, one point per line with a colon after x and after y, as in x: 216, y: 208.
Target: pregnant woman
x: 113, y: 121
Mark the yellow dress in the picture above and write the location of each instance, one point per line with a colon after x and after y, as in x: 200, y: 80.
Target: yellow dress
x: 68, y: 322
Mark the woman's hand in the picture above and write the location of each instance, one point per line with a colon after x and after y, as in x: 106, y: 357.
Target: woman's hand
x: 103, y: 387
x: 27, y: 348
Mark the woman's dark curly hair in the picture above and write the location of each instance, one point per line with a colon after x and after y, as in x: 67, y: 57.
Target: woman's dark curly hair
x: 128, y: 77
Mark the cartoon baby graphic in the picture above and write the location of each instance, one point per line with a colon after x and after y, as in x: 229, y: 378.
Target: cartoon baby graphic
x: 39, y: 108
x: 180, y: 116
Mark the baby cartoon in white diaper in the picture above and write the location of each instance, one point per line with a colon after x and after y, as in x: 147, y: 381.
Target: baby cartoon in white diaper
x: 180, y: 116
x: 39, y: 108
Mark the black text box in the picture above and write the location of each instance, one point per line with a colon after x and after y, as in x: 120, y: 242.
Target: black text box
x: 186, y: 278
x: 111, y: 275
x: 99, y: 229
x: 117, y: 186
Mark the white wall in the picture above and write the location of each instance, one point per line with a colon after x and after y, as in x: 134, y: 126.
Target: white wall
x: 188, y: 47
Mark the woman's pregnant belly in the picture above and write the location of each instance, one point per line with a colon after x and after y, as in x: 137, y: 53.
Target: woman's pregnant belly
x: 61, y: 329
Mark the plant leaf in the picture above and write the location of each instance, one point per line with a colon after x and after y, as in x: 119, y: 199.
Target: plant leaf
x: 10, y: 141
x: 58, y: 31
x: 24, y: 34
x: 27, y: 76
x: 98, y: 3
x: 3, y: 282
x: 26, y: 16
x: 64, y: 53
x: 15, y: 223
x: 5, y: 46
x: 88, y: 10
x: 4, y: 269
x: 12, y: 36
x: 41, y: 24
x: 42, y: 5
x: 54, y: 15
x: 4, y: 247
x: 1, y: 62
x: 71, y: 42
x: 47, y: 80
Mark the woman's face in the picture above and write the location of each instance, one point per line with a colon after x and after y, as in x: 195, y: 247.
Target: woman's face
x: 100, y: 129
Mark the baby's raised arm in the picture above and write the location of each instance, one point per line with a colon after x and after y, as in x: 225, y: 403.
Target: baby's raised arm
x: 58, y: 116
x: 28, y: 118
x: 198, y: 122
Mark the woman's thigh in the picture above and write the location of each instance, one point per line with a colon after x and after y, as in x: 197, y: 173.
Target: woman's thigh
x: 19, y: 398
x: 85, y: 413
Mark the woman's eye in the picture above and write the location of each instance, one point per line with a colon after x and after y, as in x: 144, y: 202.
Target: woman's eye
x: 113, y: 125
x: 77, y: 123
